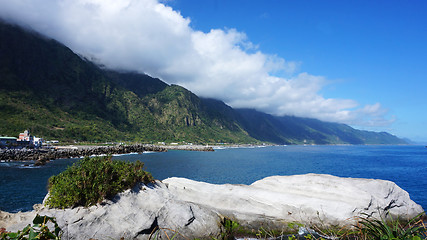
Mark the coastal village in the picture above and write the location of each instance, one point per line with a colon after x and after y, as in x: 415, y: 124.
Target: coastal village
x: 24, y: 140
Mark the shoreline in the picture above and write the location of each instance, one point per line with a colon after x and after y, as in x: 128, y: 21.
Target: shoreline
x: 44, y: 155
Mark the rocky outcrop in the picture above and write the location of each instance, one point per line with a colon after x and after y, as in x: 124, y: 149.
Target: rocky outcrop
x: 133, y: 214
x: 312, y: 199
x: 196, y: 209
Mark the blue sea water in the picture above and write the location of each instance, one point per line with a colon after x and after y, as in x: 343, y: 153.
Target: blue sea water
x: 22, y: 186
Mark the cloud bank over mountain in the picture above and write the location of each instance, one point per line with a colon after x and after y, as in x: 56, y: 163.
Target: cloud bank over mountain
x: 148, y: 36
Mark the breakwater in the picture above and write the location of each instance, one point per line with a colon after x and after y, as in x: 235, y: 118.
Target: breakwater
x: 43, y: 155
x: 200, y: 148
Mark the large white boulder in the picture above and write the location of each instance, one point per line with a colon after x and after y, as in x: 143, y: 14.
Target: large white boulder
x: 313, y: 199
x: 133, y: 214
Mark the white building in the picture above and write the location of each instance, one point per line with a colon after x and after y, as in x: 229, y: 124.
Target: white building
x: 32, y: 140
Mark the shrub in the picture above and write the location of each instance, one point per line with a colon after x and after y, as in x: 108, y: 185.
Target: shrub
x: 91, y: 180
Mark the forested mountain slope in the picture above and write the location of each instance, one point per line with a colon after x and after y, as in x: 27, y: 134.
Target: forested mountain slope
x: 47, y: 88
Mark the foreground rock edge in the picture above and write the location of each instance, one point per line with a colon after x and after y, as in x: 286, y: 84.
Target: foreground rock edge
x: 196, y: 209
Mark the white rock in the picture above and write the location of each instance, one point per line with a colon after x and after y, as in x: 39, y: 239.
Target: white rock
x: 16, y: 220
x: 133, y: 214
x: 309, y: 199
x: 192, y: 209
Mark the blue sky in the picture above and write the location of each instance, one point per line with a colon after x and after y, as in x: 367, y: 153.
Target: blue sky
x: 363, y: 63
x: 370, y: 51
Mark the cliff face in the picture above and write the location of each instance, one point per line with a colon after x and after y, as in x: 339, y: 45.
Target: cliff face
x: 196, y: 209
x: 47, y: 88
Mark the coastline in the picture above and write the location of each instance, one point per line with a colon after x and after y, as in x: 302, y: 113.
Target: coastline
x: 44, y: 155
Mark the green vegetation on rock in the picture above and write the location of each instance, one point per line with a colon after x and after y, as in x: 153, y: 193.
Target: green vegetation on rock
x: 91, y: 180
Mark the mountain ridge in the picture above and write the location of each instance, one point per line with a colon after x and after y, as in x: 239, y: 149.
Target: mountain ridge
x: 47, y: 88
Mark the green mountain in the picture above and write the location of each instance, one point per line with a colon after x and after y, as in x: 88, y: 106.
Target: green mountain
x: 47, y: 88
x: 296, y: 130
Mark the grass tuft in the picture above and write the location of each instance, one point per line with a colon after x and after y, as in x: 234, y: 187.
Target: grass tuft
x: 413, y: 229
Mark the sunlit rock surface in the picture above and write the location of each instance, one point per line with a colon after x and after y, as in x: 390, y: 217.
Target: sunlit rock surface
x: 310, y: 199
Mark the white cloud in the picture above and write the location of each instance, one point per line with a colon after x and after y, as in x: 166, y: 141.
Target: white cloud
x: 150, y: 37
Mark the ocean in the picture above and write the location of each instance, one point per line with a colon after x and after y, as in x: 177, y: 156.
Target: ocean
x: 23, y: 185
